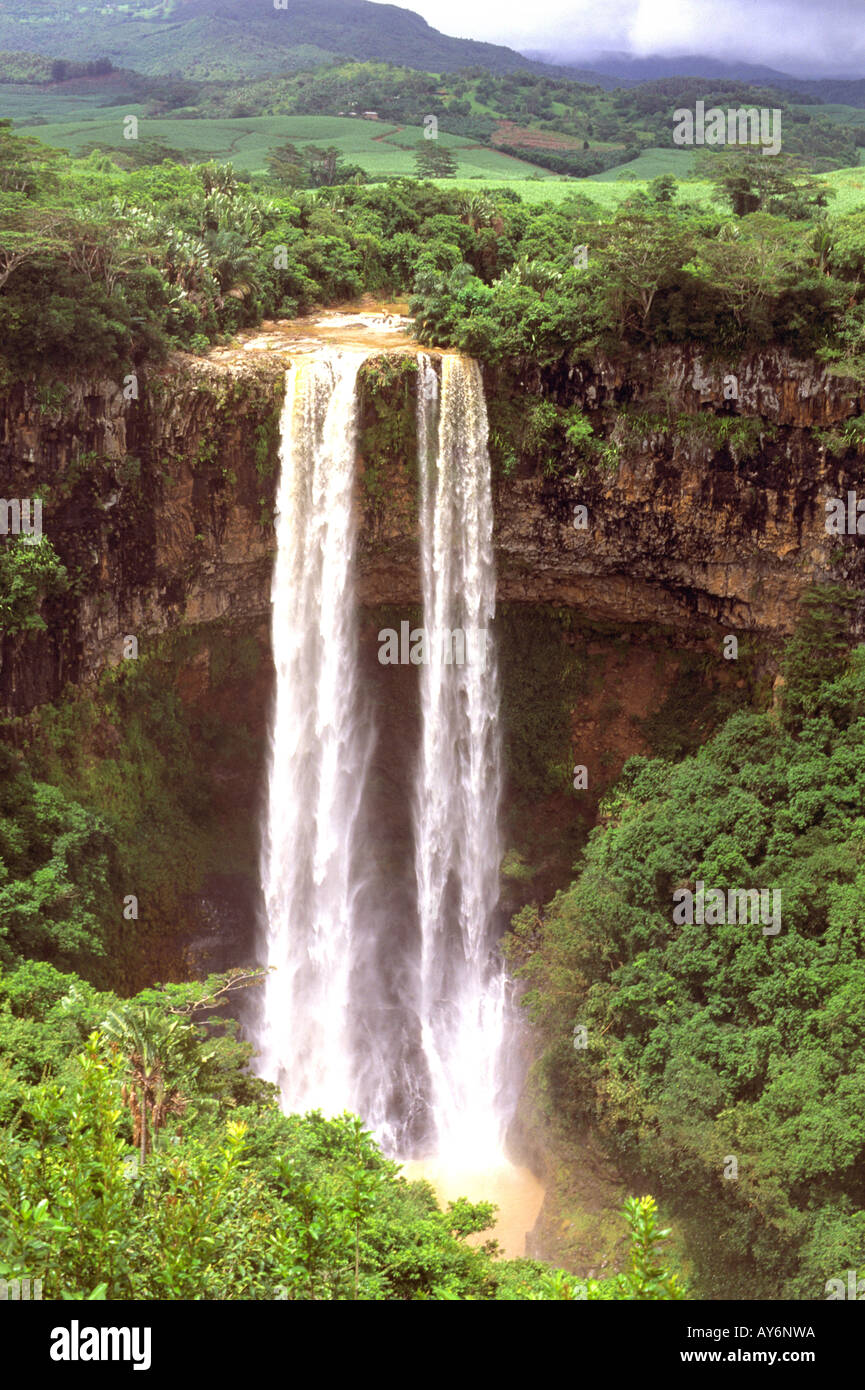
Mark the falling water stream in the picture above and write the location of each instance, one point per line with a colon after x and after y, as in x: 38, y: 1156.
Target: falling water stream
x: 324, y: 1045
x: 319, y: 744
x: 457, y: 851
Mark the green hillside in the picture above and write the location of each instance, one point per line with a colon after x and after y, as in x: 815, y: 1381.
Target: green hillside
x: 230, y: 38
x: 380, y: 149
x: 650, y: 163
x: 839, y: 113
x: 500, y: 125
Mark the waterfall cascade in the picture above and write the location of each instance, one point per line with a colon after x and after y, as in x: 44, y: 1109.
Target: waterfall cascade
x: 457, y: 849
x: 319, y: 744
x: 314, y: 1038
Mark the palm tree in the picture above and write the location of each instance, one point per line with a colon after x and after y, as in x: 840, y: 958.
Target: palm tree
x: 150, y: 1045
x: 477, y: 210
x: 537, y: 275
x: 235, y: 263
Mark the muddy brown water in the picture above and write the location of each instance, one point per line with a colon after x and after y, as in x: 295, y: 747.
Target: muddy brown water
x: 382, y: 328
x: 517, y: 1192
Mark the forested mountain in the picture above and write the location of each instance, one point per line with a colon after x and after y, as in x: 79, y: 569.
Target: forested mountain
x: 629, y: 69
x: 316, y: 323
x: 211, y: 38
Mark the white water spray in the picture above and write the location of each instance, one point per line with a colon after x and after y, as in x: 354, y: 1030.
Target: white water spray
x: 463, y: 984
x: 340, y: 1027
x: 319, y: 744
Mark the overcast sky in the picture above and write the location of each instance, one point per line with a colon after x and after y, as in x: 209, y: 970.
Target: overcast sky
x: 795, y: 35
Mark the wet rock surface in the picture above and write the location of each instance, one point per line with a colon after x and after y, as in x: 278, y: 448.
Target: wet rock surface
x: 162, y: 504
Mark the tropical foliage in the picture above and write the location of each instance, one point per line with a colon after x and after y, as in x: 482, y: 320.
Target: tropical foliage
x: 227, y: 1198
x: 728, y: 1058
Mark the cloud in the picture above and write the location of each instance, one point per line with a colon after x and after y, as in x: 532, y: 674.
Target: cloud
x: 543, y: 25
x: 801, y: 33
x: 797, y: 35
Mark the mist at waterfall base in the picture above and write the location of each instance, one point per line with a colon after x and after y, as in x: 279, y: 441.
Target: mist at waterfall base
x: 388, y: 998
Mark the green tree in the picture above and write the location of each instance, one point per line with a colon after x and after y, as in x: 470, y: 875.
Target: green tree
x: 641, y: 253
x: 750, y: 264
x: 30, y: 573
x: 646, y: 1277
x: 752, y: 182
x: 434, y: 161
x: 154, y: 1048
x: 287, y: 165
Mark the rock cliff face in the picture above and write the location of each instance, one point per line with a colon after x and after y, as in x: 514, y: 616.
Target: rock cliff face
x: 689, y: 531
x: 161, y: 506
x: 685, y: 529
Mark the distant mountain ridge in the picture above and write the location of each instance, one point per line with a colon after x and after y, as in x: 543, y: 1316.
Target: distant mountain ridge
x: 208, y: 38
x: 238, y: 39
x: 631, y: 71
x: 649, y: 69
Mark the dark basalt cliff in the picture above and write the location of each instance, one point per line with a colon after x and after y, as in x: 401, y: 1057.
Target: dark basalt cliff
x: 161, y: 507
x: 685, y: 529
x: 683, y: 532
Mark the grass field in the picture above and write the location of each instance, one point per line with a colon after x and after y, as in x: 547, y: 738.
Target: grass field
x: 849, y: 186
x: 22, y: 104
x: 607, y: 194
x: 379, y: 147
x: 650, y: 164
x: 382, y: 149
x: 836, y: 113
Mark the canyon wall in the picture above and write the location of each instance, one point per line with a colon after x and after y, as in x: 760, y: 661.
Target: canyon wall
x: 683, y: 533
x: 161, y: 506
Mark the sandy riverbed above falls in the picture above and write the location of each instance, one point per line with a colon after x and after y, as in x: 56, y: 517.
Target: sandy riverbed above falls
x: 351, y: 326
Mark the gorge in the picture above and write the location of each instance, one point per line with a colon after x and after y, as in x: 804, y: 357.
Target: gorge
x: 687, y: 535
x: 403, y: 1021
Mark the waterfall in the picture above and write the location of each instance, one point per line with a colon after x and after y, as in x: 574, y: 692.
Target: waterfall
x: 319, y: 744
x: 458, y: 786
x: 397, y: 1015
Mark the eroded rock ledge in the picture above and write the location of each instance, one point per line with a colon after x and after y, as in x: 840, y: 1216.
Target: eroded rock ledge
x: 680, y: 533
x: 161, y: 506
